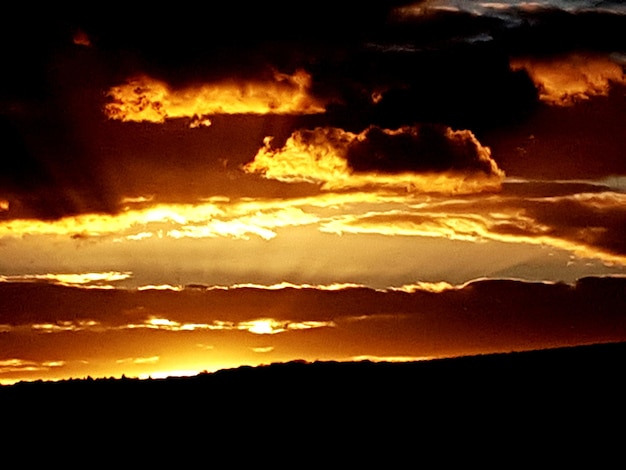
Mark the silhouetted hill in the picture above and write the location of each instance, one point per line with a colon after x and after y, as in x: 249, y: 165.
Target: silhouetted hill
x: 522, y: 402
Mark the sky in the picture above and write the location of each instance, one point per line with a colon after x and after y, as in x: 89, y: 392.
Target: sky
x: 185, y: 192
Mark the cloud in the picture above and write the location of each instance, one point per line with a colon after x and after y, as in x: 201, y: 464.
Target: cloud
x: 261, y: 326
x: 217, y: 217
x: 440, y: 286
x: 81, y: 38
x: 16, y: 366
x: 284, y: 285
x: 568, y: 79
x: 583, y: 218
x: 238, y: 219
x: 147, y: 99
x: 139, y: 360
x: 269, y: 326
x: 63, y: 326
x: 414, y: 158
x: 588, y: 224
x: 87, y: 280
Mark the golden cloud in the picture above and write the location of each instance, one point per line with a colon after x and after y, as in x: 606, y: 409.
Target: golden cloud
x: 21, y: 365
x: 147, y: 99
x: 590, y: 225
x: 63, y: 326
x: 238, y: 219
x: 88, y: 280
x: 261, y: 326
x: 139, y: 360
x: 568, y: 79
x: 414, y: 159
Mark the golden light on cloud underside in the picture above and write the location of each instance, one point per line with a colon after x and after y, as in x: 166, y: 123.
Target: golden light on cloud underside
x: 21, y: 365
x: 147, y: 99
x: 260, y: 326
x: 238, y: 219
x: 233, y: 220
x: 321, y: 156
x: 423, y: 286
x: 379, y: 211
x: 138, y: 360
x: 509, y: 224
x: 565, y: 80
x: 89, y: 280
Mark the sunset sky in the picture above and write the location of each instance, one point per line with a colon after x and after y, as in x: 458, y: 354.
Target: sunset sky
x: 184, y: 191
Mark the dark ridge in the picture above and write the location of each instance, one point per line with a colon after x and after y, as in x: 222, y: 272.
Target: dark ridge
x: 539, y: 404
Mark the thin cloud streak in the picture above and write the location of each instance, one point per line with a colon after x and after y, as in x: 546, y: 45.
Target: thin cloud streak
x: 86, y: 280
x: 591, y: 226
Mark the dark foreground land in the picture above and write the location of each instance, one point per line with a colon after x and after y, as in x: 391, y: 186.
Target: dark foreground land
x: 561, y: 401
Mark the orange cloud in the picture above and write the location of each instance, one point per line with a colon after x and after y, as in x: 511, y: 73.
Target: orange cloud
x: 566, y: 80
x: 237, y: 220
x: 15, y: 365
x: 81, y: 38
x: 590, y: 225
x: 147, y: 99
x: 87, y: 280
x: 423, y: 286
x: 414, y: 159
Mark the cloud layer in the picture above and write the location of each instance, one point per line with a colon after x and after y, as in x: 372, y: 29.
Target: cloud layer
x: 147, y: 327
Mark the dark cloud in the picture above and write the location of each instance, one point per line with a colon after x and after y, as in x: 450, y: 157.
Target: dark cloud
x: 415, y: 158
x: 46, y: 172
x: 537, y: 27
x: 574, y: 142
x: 598, y: 221
x: 426, y: 148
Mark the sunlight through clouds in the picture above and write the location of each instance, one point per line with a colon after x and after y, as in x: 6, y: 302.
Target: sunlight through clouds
x: 589, y: 225
x: 87, y: 280
x: 262, y: 326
